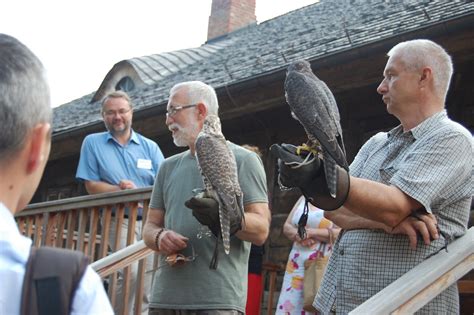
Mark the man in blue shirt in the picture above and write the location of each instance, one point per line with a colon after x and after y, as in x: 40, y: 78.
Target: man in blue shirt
x: 116, y: 160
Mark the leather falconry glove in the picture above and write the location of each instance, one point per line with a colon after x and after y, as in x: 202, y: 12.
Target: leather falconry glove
x: 309, y: 177
x: 206, y: 211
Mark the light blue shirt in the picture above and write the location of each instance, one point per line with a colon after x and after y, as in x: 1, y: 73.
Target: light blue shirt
x: 90, y: 296
x: 104, y: 159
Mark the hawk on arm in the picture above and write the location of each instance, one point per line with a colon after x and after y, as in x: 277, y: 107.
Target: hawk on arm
x: 313, y: 105
x: 218, y: 168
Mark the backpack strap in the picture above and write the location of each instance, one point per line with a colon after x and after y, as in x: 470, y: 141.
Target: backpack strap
x: 52, y: 276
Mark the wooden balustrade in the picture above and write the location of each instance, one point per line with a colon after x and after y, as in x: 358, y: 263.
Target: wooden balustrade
x: 83, y: 224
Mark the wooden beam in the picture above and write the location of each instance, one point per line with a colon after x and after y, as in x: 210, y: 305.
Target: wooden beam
x: 121, y: 259
x: 88, y: 201
x: 435, y: 288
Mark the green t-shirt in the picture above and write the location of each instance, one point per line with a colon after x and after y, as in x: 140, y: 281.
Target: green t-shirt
x: 193, y: 285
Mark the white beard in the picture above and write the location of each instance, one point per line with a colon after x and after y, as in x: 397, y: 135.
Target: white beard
x: 179, y: 140
x: 183, y: 137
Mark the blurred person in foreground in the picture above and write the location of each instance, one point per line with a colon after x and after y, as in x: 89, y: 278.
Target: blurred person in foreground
x: 25, y: 143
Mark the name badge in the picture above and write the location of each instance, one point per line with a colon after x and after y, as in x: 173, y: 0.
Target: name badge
x: 144, y: 164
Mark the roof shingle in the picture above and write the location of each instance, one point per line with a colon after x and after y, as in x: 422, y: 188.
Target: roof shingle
x: 311, y: 32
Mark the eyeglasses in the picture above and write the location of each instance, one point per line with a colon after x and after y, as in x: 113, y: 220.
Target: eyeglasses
x: 121, y: 112
x: 177, y: 259
x: 173, y: 110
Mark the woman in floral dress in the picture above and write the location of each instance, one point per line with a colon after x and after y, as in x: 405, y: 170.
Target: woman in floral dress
x: 320, y: 234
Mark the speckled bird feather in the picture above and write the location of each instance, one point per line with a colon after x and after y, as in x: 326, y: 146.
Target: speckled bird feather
x: 219, y: 172
x: 314, y: 106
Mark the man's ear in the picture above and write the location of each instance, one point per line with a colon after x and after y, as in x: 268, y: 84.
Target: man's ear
x: 426, y: 77
x: 38, y: 146
x: 202, y: 109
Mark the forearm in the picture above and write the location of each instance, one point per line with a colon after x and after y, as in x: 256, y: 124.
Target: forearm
x: 379, y: 202
x: 256, y: 226
x: 97, y: 187
x: 152, y: 226
x: 149, y: 234
x: 347, y: 220
x: 325, y: 235
x: 290, y: 231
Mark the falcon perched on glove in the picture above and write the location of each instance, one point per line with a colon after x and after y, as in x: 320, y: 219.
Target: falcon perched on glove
x: 218, y: 168
x: 319, y: 168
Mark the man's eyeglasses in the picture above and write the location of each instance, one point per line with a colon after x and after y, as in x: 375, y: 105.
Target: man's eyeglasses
x: 177, y: 259
x: 173, y: 110
x: 112, y: 113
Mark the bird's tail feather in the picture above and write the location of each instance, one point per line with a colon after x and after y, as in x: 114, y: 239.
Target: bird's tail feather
x: 331, y: 175
x: 215, y: 256
x: 225, y: 228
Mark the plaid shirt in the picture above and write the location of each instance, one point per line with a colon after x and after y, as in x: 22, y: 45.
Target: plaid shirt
x: 432, y: 163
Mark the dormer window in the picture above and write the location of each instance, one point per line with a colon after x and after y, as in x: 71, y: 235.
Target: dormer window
x: 125, y: 84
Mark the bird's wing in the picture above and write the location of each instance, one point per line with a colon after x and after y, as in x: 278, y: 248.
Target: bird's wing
x: 218, y: 165
x: 308, y: 99
x: 332, y: 106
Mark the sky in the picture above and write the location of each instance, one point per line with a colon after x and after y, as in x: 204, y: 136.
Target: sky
x: 80, y: 41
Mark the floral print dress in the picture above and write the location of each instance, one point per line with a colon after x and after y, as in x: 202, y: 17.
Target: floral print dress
x: 291, y: 294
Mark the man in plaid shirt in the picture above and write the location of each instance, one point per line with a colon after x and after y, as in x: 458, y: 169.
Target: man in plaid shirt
x: 414, y: 181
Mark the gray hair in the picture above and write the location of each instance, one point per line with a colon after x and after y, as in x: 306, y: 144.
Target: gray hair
x: 117, y: 94
x: 199, y: 92
x: 24, y: 95
x: 420, y: 53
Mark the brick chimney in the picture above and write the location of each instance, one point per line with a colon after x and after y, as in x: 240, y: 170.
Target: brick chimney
x: 230, y: 15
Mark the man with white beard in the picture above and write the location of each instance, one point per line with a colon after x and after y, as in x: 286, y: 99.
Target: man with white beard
x: 173, y: 230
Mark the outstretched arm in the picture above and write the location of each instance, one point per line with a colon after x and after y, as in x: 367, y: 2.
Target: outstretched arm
x: 375, y: 201
x: 347, y: 220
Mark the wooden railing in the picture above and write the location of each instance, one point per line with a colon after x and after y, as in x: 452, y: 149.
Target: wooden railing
x: 83, y: 223
x: 118, y: 260
x: 74, y: 223
x: 404, y: 296
x: 420, y: 285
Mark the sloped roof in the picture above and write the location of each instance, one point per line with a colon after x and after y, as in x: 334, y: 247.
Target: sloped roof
x: 154, y: 68
x: 315, y: 31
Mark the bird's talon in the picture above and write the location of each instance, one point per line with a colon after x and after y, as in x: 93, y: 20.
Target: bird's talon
x: 305, y: 149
